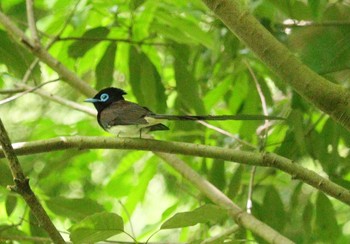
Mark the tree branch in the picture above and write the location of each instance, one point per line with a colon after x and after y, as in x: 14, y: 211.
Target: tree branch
x: 59, y: 100
x: 94, y: 39
x: 31, y: 22
x: 240, y: 216
x: 22, y: 187
x: 327, y: 96
x: 45, y: 57
x: 243, y: 157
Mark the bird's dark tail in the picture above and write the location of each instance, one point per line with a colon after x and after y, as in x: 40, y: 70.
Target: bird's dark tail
x: 215, y: 117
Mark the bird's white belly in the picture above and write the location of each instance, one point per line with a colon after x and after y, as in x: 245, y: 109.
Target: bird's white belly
x: 133, y: 130
x: 126, y: 130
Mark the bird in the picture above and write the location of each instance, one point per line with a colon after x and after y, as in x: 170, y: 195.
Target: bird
x: 128, y: 119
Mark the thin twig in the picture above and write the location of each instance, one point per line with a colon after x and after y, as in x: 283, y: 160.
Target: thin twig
x: 66, y: 75
x: 249, y: 204
x: 226, y: 133
x: 32, y: 23
x: 219, y: 198
x: 218, y: 238
x: 12, y: 91
x: 22, y: 187
x: 53, y: 40
x: 98, y: 39
x: 303, y: 23
x: 263, y: 137
x: 33, y: 239
x: 9, y: 99
x: 129, y: 217
x: 60, y: 100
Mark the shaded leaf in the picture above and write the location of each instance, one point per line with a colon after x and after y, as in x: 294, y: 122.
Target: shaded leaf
x: 326, y: 228
x: 11, y: 202
x: 15, y: 57
x: 217, y: 174
x: 235, y: 182
x: 75, y: 209
x: 308, y: 213
x: 186, y: 27
x: 136, y: 3
x: 10, y: 230
x: 35, y: 228
x: 215, y: 95
x: 273, y: 210
x: 187, y: 87
x: 78, y: 48
x: 139, y: 190
x: 97, y: 227
x: 324, y: 49
x: 204, y: 214
x: 105, y: 68
x: 145, y: 81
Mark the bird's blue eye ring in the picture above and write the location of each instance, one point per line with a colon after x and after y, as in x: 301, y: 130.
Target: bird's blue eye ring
x: 104, y: 97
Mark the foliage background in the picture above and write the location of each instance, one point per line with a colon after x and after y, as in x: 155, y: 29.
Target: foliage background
x: 176, y: 57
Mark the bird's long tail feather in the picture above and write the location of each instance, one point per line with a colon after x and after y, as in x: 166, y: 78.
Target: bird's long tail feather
x: 215, y: 117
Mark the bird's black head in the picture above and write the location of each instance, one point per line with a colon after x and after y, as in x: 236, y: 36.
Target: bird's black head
x: 105, y: 97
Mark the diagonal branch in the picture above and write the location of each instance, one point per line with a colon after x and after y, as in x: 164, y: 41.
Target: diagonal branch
x: 31, y: 22
x: 327, y: 96
x: 66, y: 75
x: 242, y: 218
x: 249, y: 158
x: 22, y: 187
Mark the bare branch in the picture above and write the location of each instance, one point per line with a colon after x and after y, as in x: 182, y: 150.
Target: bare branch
x: 94, y: 39
x: 240, y: 217
x: 9, y: 99
x: 60, y: 100
x: 22, y: 187
x: 32, y: 22
x: 66, y: 75
x: 325, y: 95
x: 249, y: 158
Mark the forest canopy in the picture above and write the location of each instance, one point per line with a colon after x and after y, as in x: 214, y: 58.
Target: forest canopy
x: 280, y: 181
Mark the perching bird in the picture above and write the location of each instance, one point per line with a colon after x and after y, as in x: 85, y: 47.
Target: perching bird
x: 124, y: 118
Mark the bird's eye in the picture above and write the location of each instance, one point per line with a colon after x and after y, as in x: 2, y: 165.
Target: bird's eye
x: 104, y: 97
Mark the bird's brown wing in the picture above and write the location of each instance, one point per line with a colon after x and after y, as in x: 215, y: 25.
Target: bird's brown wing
x: 123, y: 113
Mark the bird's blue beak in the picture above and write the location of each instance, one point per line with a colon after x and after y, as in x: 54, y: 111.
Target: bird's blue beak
x: 92, y: 100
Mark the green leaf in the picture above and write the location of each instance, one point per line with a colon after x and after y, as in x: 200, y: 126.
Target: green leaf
x: 78, y: 48
x: 138, y: 192
x: 105, y: 68
x: 5, y: 174
x: 10, y: 230
x: 171, y: 33
x: 293, y: 9
x: 323, y: 49
x: 136, y: 3
x: 75, y: 209
x: 215, y: 95
x: 273, y: 210
x: 11, y: 202
x: 326, y: 228
x: 235, y: 182
x: 143, y: 20
x: 217, y: 174
x: 146, y: 82
x: 35, y: 228
x: 204, y: 214
x: 187, y: 87
x: 97, y: 227
x: 185, y: 26
x: 308, y: 212
x: 15, y: 57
